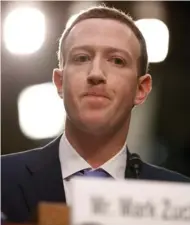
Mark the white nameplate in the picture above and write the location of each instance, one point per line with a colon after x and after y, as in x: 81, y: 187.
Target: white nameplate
x: 110, y: 202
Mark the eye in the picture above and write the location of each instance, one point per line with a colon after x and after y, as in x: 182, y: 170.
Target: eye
x: 81, y: 58
x: 118, y: 61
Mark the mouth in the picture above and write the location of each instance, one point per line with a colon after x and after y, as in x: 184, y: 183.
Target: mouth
x: 96, y: 94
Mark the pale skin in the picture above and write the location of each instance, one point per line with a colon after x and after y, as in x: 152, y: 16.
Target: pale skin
x: 99, y: 84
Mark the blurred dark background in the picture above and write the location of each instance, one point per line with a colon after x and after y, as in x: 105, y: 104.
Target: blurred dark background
x: 171, y: 79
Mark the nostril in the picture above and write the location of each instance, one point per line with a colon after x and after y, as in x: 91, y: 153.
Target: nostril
x: 94, y: 80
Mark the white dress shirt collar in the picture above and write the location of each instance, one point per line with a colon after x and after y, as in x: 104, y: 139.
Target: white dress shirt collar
x: 72, y: 162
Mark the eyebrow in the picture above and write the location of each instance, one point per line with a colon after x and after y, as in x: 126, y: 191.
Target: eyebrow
x: 108, y: 49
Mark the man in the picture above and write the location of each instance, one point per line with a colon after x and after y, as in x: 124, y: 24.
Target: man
x: 102, y: 75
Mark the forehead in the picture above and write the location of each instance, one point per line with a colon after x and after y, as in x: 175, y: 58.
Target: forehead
x: 103, y: 32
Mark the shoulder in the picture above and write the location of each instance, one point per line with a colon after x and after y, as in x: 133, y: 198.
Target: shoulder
x: 30, y: 157
x: 20, y: 158
x: 152, y: 172
x: 13, y: 166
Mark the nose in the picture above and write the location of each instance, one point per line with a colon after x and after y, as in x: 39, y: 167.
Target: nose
x: 96, y: 73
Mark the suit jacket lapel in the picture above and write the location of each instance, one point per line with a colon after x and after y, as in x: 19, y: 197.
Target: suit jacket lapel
x: 44, y: 182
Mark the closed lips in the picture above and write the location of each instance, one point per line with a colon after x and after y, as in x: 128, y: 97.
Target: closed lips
x: 98, y: 94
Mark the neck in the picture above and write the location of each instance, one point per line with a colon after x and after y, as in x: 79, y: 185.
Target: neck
x: 96, y: 149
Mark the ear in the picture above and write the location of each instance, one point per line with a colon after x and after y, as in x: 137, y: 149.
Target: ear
x: 143, y: 89
x: 58, y: 81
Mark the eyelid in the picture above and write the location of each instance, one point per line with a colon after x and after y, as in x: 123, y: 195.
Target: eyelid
x: 76, y: 57
x: 80, y: 54
x: 119, y: 57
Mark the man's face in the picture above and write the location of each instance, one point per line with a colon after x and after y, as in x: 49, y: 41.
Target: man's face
x: 100, y: 84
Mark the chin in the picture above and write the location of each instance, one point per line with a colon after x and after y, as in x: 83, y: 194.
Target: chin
x: 95, y: 130
x: 94, y: 126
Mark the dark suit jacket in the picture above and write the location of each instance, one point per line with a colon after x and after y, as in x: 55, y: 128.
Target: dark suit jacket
x: 34, y: 176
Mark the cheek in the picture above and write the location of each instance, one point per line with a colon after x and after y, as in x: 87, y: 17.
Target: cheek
x: 125, y: 87
x: 73, y: 85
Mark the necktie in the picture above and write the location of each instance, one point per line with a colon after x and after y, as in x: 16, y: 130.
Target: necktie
x: 93, y: 173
